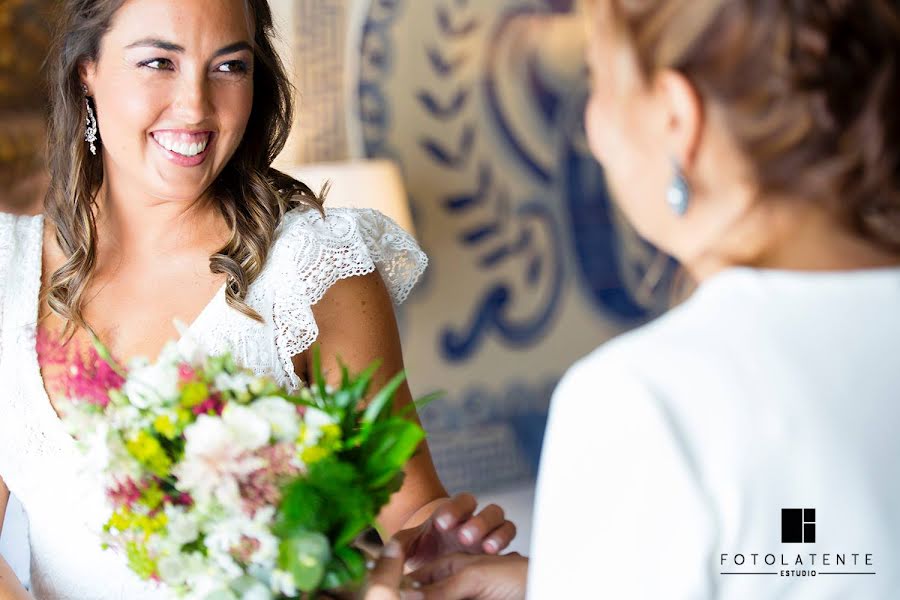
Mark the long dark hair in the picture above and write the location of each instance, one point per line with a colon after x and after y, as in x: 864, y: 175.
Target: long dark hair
x: 251, y: 195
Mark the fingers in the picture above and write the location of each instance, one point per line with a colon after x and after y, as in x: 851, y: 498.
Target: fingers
x: 500, y: 538
x: 385, y: 578
x: 455, y: 511
x: 478, y: 528
x: 443, y: 567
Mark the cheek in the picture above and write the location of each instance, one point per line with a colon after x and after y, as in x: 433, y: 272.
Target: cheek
x: 233, y: 106
x: 634, y: 166
x: 126, y: 108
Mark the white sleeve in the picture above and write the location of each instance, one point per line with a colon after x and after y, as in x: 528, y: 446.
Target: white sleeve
x: 313, y: 252
x: 620, y: 510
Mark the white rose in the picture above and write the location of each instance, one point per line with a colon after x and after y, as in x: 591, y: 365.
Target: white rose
x: 282, y: 582
x: 281, y: 415
x: 151, y: 384
x: 238, y: 383
x: 182, y: 528
x: 314, y: 420
x: 249, y: 430
x: 216, y: 456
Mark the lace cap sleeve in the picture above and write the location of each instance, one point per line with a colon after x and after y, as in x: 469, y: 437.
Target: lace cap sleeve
x: 312, y: 253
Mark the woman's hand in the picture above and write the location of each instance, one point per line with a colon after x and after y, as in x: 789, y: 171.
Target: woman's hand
x: 454, y: 528
x: 384, y: 580
x: 463, y: 576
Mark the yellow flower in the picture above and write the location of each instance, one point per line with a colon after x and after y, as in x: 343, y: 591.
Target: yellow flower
x: 150, y: 453
x: 164, y: 425
x: 152, y: 497
x: 194, y: 393
x: 139, y: 560
x: 314, y: 454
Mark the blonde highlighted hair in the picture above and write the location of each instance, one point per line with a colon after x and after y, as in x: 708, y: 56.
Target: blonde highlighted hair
x: 808, y: 89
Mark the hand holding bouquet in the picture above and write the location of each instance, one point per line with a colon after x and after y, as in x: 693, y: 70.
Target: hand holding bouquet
x: 223, y: 485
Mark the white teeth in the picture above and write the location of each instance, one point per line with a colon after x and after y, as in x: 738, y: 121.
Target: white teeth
x: 184, y: 148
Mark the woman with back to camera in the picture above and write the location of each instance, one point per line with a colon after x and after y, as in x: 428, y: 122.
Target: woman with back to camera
x: 166, y: 117
x: 758, y: 142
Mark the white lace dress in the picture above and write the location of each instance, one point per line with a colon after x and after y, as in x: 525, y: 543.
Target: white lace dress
x: 39, y: 461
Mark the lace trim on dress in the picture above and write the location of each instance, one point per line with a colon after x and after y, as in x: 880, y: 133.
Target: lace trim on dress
x: 313, y: 253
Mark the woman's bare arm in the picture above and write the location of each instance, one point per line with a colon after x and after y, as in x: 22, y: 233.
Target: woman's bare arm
x: 357, y: 326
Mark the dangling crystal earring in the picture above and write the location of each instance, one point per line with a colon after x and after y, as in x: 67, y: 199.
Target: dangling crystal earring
x: 679, y: 193
x: 90, y: 132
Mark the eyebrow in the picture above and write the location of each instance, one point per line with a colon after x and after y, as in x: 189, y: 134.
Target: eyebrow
x: 172, y: 47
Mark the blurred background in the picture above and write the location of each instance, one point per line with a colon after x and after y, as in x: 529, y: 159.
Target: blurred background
x: 462, y: 119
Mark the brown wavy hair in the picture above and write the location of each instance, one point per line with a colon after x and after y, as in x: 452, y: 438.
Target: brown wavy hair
x: 808, y: 88
x: 251, y: 195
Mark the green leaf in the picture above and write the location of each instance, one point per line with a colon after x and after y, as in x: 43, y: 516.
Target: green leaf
x: 345, y: 375
x: 318, y: 376
x: 353, y: 527
x: 360, y: 386
x: 337, y: 576
x: 305, y: 556
x: 390, y: 445
x: 421, y: 403
x: 347, y: 569
x: 350, y: 507
x: 383, y: 398
x: 354, y: 561
x: 104, y: 353
x: 302, y: 508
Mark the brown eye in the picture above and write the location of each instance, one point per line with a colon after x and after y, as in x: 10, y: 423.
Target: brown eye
x: 233, y: 66
x: 158, y: 64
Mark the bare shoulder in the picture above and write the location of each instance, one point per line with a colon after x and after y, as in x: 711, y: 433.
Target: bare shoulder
x: 356, y: 325
x: 355, y: 301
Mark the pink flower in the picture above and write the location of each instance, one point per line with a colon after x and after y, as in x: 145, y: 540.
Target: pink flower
x: 263, y: 486
x: 125, y: 494
x: 186, y: 373
x: 80, y: 374
x: 243, y: 552
x: 211, y: 406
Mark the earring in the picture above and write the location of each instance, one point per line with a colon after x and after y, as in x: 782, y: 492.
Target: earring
x: 678, y: 195
x: 90, y: 132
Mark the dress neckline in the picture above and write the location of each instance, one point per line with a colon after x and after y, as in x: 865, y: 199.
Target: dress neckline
x: 34, y: 303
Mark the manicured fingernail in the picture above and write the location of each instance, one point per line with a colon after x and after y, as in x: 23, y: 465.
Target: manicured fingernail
x: 468, y: 535
x: 491, y: 546
x: 370, y: 564
x: 444, y: 522
x: 392, y: 550
x: 411, y: 595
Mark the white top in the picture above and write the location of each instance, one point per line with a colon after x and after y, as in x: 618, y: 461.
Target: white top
x: 684, y: 440
x: 40, y: 462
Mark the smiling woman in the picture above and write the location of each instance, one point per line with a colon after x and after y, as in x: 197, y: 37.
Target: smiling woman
x: 163, y: 206
x: 191, y: 82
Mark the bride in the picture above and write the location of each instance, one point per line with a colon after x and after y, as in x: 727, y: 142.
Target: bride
x: 166, y: 116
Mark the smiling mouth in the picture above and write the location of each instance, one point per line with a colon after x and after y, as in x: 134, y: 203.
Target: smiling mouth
x: 184, y: 144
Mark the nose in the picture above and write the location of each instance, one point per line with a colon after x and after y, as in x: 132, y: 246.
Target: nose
x: 192, y: 102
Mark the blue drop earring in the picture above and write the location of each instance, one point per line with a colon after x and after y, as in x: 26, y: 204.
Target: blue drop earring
x: 678, y: 195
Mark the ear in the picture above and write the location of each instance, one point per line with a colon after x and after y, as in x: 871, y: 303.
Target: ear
x: 683, y: 109
x: 87, y: 72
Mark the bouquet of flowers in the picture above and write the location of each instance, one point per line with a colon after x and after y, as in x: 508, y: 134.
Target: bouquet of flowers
x: 222, y: 485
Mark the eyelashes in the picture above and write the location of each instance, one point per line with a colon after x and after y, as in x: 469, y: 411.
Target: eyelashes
x: 157, y: 64
x: 234, y: 67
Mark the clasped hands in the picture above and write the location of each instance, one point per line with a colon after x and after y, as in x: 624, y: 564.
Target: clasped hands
x: 451, y: 556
